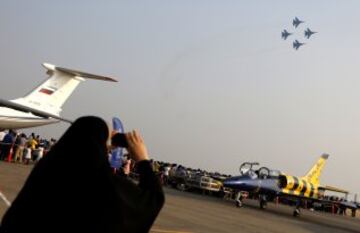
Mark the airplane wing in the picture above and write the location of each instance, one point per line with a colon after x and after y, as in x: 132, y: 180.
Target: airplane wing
x: 78, y: 73
x: 22, y: 108
x: 334, y: 189
x: 324, y: 202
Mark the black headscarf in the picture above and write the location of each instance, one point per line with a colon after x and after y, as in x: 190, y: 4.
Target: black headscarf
x: 71, y: 188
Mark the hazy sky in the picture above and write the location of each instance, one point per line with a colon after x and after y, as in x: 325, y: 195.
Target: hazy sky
x: 210, y: 84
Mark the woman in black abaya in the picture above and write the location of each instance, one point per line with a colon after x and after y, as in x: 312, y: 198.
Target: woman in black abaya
x: 73, y: 189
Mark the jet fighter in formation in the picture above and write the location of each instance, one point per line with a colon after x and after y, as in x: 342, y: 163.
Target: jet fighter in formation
x: 307, y: 33
x: 297, y: 44
x: 296, y: 22
x: 285, y: 34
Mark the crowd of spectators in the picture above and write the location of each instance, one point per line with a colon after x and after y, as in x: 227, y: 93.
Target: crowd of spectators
x: 21, y: 148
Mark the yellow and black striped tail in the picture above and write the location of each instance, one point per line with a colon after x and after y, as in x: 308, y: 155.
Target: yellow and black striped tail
x: 314, y: 174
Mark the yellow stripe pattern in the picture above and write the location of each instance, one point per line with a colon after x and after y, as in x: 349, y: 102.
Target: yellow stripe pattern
x: 300, y: 187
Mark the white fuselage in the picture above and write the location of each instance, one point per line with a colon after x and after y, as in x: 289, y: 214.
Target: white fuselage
x: 13, y: 119
x: 43, y: 105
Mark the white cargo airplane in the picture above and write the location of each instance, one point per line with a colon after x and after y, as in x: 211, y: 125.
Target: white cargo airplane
x: 43, y: 105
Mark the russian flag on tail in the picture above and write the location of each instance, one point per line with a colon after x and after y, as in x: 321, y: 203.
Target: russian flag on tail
x: 46, y: 91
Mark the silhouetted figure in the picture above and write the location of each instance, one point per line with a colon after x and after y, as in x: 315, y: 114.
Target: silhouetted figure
x: 73, y: 189
x: 6, y: 144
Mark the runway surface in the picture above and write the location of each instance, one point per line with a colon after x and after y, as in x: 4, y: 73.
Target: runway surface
x: 193, y: 213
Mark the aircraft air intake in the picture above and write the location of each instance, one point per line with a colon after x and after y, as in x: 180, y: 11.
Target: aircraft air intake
x: 287, y: 182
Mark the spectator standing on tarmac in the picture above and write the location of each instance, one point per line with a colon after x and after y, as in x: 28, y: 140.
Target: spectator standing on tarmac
x: 8, y: 141
x: 21, y: 143
x: 166, y: 173
x: 15, y: 147
x: 73, y: 189
x: 27, y: 154
x: 2, y: 135
x: 40, y: 153
x: 32, y: 143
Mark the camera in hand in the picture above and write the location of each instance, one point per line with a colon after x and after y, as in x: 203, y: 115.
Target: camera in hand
x: 119, y: 140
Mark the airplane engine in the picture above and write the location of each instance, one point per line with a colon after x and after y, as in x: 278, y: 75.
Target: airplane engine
x: 288, y: 182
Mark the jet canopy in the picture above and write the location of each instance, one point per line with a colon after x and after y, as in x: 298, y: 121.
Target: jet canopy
x: 249, y: 169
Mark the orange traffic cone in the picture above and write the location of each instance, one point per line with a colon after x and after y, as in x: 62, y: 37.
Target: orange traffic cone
x: 10, y: 153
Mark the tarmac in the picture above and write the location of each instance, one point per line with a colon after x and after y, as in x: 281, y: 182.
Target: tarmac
x: 186, y: 212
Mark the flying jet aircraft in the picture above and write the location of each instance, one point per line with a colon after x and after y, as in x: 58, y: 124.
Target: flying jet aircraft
x: 308, y: 33
x: 270, y: 184
x: 297, y: 44
x: 43, y: 105
x: 296, y: 22
x: 285, y: 34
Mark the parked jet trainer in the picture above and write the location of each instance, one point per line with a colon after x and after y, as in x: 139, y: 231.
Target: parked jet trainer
x: 43, y: 105
x: 270, y: 184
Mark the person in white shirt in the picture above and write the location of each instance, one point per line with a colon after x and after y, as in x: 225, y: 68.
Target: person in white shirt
x: 166, y: 173
x: 40, y: 153
x: 27, y: 154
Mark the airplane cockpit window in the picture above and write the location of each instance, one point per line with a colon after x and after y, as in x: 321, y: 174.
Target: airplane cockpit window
x: 247, y: 169
x: 274, y: 173
x: 264, y: 172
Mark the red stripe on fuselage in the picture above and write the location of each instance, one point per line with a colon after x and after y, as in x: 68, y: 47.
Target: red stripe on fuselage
x: 46, y: 91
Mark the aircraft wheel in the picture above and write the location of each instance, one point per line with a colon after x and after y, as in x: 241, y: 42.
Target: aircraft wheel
x: 296, y: 213
x: 263, y: 204
x: 181, y: 187
x: 263, y: 201
x: 239, y: 204
x: 353, y: 213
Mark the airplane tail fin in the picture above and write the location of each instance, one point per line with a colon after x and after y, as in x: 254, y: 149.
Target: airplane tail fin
x: 314, y: 174
x: 53, y: 93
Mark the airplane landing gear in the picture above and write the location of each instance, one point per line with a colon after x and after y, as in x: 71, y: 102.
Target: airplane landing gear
x: 353, y: 212
x: 263, y: 202
x: 239, y: 200
x: 239, y: 204
x: 296, y: 212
